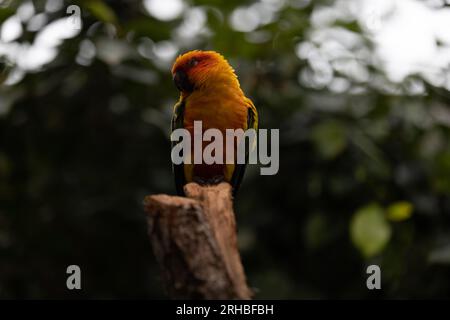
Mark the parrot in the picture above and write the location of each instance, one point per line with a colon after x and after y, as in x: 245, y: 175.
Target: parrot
x: 210, y: 92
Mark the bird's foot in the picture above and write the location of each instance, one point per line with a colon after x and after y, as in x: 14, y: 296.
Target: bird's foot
x: 209, y: 181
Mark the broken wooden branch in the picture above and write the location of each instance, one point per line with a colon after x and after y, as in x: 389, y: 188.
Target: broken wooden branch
x: 195, y: 243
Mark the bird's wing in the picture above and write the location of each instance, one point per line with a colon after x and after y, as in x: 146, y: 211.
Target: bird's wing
x: 252, y: 123
x: 178, y: 169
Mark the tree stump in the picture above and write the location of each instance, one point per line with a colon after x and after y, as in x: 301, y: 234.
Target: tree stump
x: 195, y: 243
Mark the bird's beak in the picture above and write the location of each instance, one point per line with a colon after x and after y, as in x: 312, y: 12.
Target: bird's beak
x: 182, y: 82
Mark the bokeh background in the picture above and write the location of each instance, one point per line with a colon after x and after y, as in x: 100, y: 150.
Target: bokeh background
x: 358, y: 88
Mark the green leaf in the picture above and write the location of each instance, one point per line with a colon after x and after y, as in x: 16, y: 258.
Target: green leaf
x: 399, y: 211
x: 316, y: 231
x: 329, y: 138
x: 101, y: 11
x: 369, y: 230
x: 5, y: 13
x: 5, y: 68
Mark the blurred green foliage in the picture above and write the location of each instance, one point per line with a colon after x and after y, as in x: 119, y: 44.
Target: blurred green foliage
x: 364, y: 173
x: 370, y: 232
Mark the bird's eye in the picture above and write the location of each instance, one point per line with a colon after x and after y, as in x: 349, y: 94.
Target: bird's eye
x: 193, y: 62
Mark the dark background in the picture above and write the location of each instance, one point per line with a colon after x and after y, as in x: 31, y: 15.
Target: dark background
x: 364, y: 167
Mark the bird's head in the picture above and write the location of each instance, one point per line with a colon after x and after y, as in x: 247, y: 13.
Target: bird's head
x: 196, y: 69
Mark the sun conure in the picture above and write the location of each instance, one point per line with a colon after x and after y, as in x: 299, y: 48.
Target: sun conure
x: 210, y: 92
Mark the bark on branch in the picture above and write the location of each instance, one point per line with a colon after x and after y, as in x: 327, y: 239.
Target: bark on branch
x: 195, y: 243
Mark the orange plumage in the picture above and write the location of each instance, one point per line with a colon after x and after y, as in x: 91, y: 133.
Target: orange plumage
x: 210, y: 92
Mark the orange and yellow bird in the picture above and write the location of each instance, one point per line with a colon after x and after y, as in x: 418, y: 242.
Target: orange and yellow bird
x: 210, y: 92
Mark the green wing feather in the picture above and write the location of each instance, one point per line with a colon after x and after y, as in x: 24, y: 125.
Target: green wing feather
x: 178, y: 169
x: 239, y: 170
